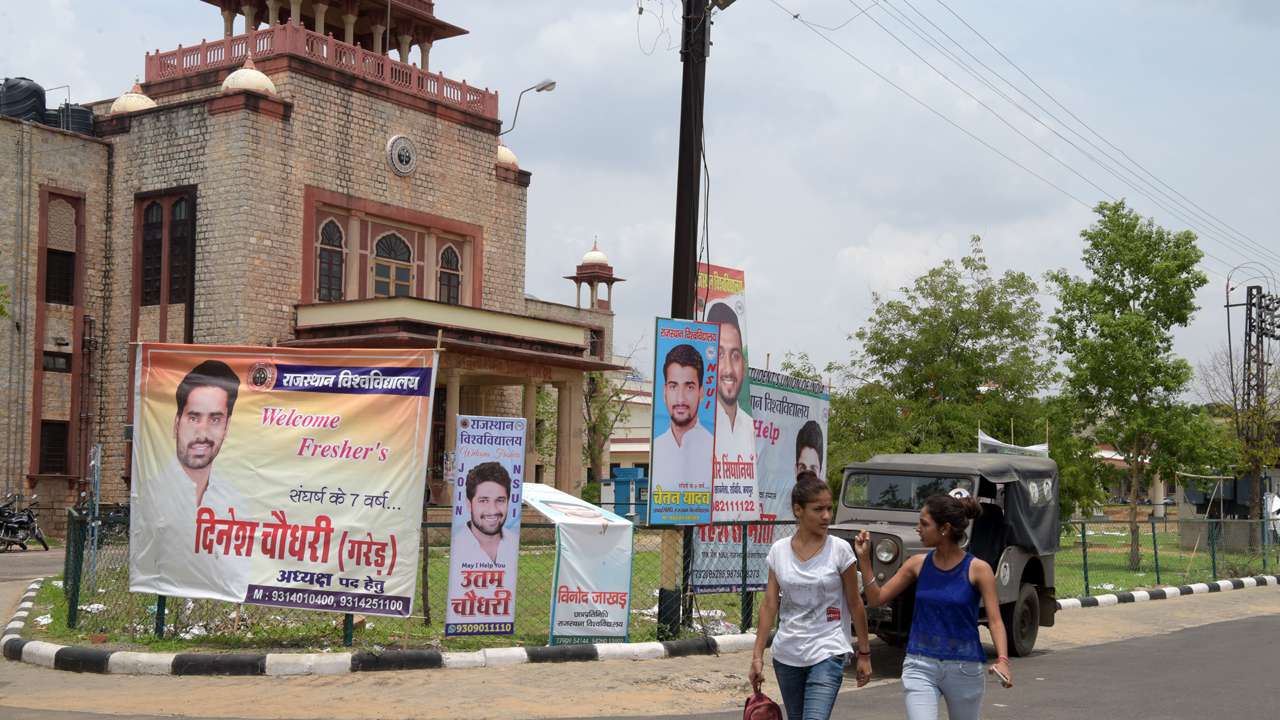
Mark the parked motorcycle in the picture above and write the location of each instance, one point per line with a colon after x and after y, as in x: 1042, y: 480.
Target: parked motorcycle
x: 17, y: 527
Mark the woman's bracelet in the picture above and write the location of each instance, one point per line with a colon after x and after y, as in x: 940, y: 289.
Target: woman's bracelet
x: 864, y: 654
x: 1005, y: 658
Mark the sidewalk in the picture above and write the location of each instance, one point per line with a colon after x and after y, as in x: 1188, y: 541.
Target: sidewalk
x: 609, y: 688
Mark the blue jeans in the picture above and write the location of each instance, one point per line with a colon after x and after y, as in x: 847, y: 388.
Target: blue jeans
x: 809, y: 693
x: 960, y: 682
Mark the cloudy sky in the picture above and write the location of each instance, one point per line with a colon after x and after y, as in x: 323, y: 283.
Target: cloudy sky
x: 827, y: 183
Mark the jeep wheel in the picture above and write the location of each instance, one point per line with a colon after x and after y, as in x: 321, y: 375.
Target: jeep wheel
x: 1022, y: 621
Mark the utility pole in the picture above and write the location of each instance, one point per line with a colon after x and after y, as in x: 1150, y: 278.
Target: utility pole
x: 1260, y: 325
x: 695, y: 43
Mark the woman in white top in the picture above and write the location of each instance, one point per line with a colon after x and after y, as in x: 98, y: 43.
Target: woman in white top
x: 812, y: 592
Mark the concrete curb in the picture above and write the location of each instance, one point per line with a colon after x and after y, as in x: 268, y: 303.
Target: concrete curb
x: 94, y: 660
x: 1168, y: 593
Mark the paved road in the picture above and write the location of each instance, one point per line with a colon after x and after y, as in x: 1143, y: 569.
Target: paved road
x: 18, y: 566
x: 1229, y: 669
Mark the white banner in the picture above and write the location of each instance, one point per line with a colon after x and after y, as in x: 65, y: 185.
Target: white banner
x: 988, y: 444
x: 488, y: 482
x: 591, y: 587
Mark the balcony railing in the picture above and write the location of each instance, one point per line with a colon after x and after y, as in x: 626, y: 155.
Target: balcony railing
x: 290, y: 39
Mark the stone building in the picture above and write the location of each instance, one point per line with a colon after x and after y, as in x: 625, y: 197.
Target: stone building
x: 292, y: 183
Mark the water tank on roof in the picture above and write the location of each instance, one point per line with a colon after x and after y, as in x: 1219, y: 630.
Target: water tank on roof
x: 76, y: 118
x: 22, y: 98
x: 52, y: 117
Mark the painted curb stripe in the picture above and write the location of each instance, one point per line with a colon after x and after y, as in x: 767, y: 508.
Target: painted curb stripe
x: 82, y: 659
x: 213, y: 664
x: 396, y: 660
x: 563, y: 653
x: 13, y: 649
x: 689, y: 646
x: 1166, y: 593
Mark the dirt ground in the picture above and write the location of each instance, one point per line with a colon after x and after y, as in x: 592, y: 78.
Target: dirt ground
x: 698, y: 684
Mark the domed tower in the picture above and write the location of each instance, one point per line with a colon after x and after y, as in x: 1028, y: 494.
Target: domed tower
x: 594, y: 271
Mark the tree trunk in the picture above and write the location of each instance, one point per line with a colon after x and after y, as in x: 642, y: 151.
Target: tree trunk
x: 1135, y: 543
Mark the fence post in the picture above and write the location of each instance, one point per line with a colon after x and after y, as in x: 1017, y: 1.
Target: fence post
x: 746, y: 594
x: 1155, y: 548
x: 1213, y: 547
x: 72, y: 566
x: 348, y: 629
x: 1084, y: 550
x: 160, y: 602
x: 1262, y: 532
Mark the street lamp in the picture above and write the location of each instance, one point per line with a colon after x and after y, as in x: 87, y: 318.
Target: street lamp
x: 545, y: 86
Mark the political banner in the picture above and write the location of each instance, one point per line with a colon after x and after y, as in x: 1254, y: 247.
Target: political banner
x: 488, y: 480
x: 988, y: 444
x: 735, y: 494
x: 684, y: 421
x: 591, y: 583
x: 279, y: 476
x: 791, y: 431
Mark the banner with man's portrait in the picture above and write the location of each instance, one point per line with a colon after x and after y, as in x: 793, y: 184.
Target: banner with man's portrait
x: 280, y: 476
x: 488, y: 481
x: 684, y: 421
x: 791, y: 417
x: 723, y: 296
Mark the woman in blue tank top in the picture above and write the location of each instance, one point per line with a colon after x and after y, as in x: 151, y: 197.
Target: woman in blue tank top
x: 944, y: 653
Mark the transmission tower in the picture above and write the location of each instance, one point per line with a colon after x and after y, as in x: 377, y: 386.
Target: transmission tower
x: 1261, y: 324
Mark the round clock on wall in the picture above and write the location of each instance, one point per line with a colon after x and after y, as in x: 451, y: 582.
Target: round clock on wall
x: 402, y: 155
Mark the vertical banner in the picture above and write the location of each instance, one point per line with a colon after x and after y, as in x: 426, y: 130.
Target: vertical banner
x: 684, y: 421
x: 591, y: 584
x: 722, y: 291
x: 791, y: 436
x: 488, y: 479
x: 279, y: 476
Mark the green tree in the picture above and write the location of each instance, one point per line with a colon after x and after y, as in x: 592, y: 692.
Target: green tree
x: 1115, y: 329
x: 4, y: 301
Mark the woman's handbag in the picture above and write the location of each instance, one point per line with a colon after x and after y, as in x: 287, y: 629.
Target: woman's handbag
x: 760, y: 707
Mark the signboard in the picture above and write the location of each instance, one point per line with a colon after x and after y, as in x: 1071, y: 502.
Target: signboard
x: 791, y: 436
x: 279, y: 476
x: 736, y: 497
x: 684, y: 421
x: 591, y: 584
x: 488, y: 479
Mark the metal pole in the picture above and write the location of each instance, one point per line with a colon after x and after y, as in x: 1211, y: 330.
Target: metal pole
x: 1155, y: 548
x: 746, y: 594
x: 160, y: 602
x: 1213, y: 546
x: 348, y: 629
x: 75, y: 544
x: 1084, y: 551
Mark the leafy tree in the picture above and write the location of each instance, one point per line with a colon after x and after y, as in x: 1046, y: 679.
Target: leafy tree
x: 4, y: 301
x: 605, y: 405
x: 1115, y: 328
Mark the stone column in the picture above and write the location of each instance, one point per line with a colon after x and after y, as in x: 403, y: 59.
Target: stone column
x: 319, y: 9
x: 531, y: 429
x: 569, y: 436
x: 273, y: 12
x: 349, y: 28
x: 250, y: 12
x: 295, y: 12
x: 377, y: 31
x: 228, y: 22
x: 406, y: 44
x: 424, y: 48
x: 1157, y: 497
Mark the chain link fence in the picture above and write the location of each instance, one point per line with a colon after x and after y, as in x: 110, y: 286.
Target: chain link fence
x: 95, y: 598
x: 1097, y: 558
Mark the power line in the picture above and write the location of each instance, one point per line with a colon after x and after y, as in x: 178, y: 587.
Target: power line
x: 1096, y: 133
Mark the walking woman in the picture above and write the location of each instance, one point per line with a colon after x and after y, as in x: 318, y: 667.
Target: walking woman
x: 813, y: 594
x: 944, y: 654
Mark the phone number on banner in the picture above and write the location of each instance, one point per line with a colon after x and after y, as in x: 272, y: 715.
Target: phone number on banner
x: 488, y: 628
x: 328, y: 600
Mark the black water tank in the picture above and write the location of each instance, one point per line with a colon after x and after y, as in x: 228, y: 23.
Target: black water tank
x: 52, y: 117
x: 22, y: 98
x: 76, y: 118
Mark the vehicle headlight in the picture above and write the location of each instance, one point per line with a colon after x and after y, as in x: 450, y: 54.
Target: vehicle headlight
x: 886, y: 551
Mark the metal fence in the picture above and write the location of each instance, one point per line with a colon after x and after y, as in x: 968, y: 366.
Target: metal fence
x: 97, y: 601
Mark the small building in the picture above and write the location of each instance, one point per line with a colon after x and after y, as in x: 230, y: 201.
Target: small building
x: 293, y: 182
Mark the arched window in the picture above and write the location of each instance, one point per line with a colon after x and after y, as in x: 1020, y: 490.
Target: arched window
x: 329, y: 275
x: 180, y: 251
x: 152, y: 252
x: 449, y: 289
x: 392, y: 273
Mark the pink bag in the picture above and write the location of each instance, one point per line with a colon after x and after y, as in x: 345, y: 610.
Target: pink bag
x: 760, y: 707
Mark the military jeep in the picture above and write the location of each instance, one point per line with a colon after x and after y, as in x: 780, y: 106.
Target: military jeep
x: 1017, y: 532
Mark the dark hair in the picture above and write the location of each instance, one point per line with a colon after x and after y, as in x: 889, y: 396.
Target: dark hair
x: 722, y: 314
x: 685, y: 355
x: 210, y: 373
x: 810, y: 436
x: 808, y: 487
x: 953, y: 511
x: 487, y: 472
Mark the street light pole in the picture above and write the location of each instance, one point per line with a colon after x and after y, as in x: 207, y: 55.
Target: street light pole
x: 545, y: 86
x: 695, y: 42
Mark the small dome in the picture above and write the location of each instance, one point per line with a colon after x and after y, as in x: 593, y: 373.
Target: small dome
x: 249, y: 78
x: 594, y: 256
x: 132, y: 101
x: 507, y: 158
